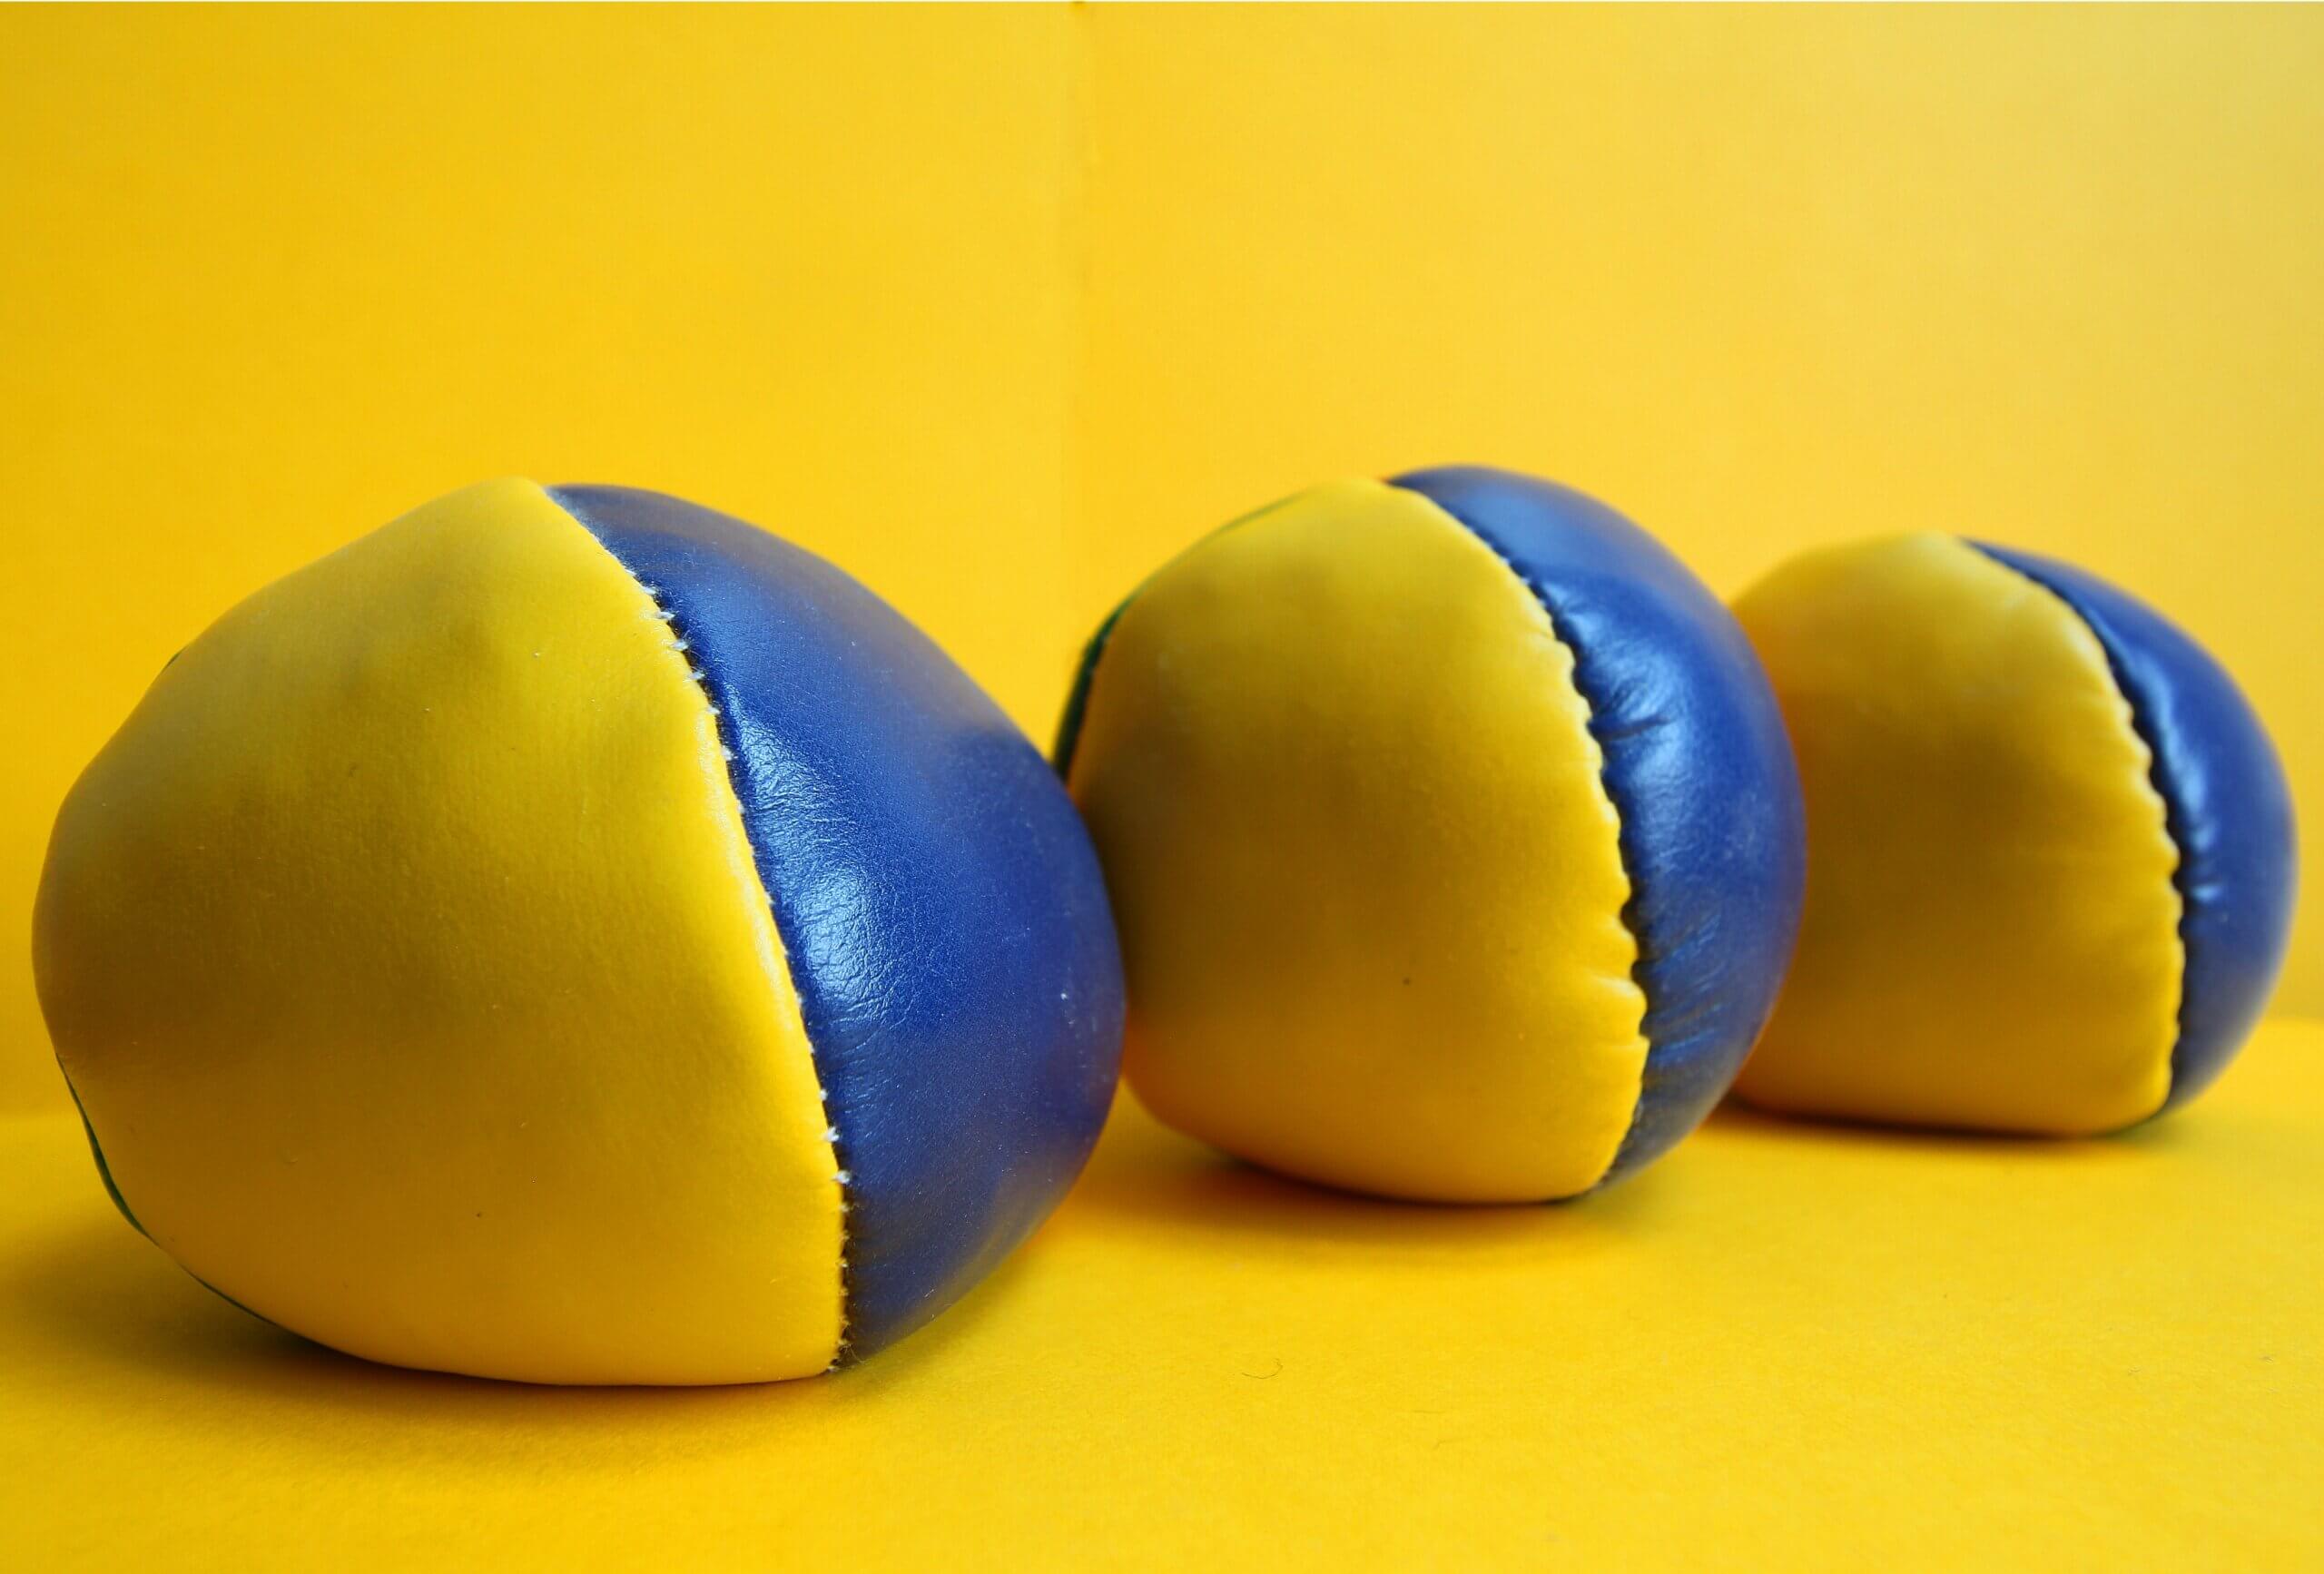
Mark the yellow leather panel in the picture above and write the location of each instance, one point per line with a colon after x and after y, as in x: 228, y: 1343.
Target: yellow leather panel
x: 1366, y: 874
x: 406, y: 951
x: 1991, y: 935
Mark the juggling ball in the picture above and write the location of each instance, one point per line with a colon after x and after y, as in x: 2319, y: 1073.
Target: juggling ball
x: 1452, y: 833
x: 570, y: 935
x: 2049, y: 848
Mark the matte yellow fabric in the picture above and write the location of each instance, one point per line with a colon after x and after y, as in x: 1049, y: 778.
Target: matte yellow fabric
x: 1991, y: 934
x: 1367, y: 876
x: 1784, y: 1347
x: 404, y: 949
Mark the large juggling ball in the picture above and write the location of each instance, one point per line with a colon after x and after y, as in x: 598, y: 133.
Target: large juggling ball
x: 2049, y: 848
x: 1451, y: 832
x: 570, y: 935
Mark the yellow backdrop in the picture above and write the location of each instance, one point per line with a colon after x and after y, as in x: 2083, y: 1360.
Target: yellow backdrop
x: 1022, y: 300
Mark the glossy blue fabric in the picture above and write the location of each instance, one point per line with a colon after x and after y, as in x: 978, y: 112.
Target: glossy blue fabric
x: 2226, y: 804
x: 1697, y: 765
x: 942, y: 907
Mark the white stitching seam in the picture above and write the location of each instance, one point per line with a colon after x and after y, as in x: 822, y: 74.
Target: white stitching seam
x: 679, y: 646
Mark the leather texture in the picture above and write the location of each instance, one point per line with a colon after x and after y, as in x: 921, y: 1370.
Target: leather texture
x: 405, y: 951
x: 1697, y: 764
x: 1368, y: 878
x: 944, y: 916
x: 2228, y: 807
x: 1992, y: 934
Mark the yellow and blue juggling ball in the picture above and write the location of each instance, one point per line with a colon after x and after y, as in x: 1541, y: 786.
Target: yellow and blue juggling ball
x: 2049, y: 847
x: 570, y: 935
x: 1451, y: 832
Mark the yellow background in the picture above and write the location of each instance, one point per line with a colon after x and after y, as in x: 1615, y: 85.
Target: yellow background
x: 998, y: 306
x: 270, y: 278
x: 1780, y: 1347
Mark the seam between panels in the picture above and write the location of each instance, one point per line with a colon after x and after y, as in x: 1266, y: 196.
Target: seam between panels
x: 2158, y: 776
x: 97, y: 1152
x: 679, y: 643
x: 1084, y: 677
x: 1077, y: 699
x: 1625, y: 822
x: 121, y: 1204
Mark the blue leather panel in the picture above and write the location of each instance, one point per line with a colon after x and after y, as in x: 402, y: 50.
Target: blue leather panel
x: 2227, y: 806
x: 942, y: 907
x: 1699, y: 767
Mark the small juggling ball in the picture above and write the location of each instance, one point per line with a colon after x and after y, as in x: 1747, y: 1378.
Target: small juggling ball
x: 2049, y: 847
x: 1452, y: 833
x: 570, y: 935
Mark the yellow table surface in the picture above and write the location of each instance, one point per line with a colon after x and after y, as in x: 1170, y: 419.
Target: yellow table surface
x: 1784, y: 1345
